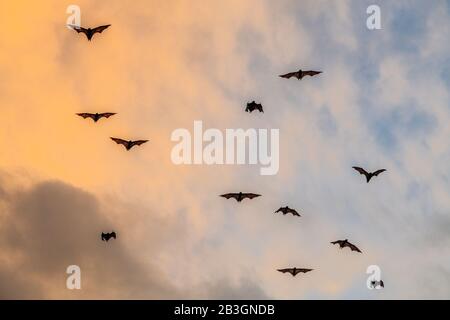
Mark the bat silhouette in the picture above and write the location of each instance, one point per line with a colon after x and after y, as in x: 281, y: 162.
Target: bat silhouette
x: 294, y: 271
x: 107, y: 236
x: 368, y: 175
x: 251, y: 106
x: 89, y: 32
x: 375, y: 284
x: 240, y: 196
x: 345, y: 243
x: 300, y: 74
x: 128, y: 144
x: 286, y: 210
x: 96, y: 116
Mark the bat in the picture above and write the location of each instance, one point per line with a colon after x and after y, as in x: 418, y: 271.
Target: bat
x: 240, y: 196
x: 107, y: 236
x: 89, y: 32
x: 300, y: 74
x: 294, y: 271
x: 375, y: 284
x: 128, y: 144
x: 286, y: 210
x: 251, y: 106
x: 368, y: 175
x: 96, y: 116
x: 345, y: 243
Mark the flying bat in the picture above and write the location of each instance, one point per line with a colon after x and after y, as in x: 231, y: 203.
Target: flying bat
x: 240, y: 196
x: 96, y: 116
x: 294, y: 271
x: 89, y: 32
x: 369, y: 175
x: 286, y: 210
x: 128, y: 144
x: 107, y: 236
x: 300, y: 74
x: 375, y: 284
x: 345, y: 243
x: 251, y: 106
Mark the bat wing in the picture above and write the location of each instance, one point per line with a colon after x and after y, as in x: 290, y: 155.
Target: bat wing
x: 119, y: 141
x: 230, y: 195
x: 138, y: 142
x: 100, y: 28
x: 353, y: 247
x: 78, y: 29
x: 279, y: 210
x: 106, y: 114
x: 361, y: 171
x: 294, y: 212
x: 290, y: 270
x: 250, y: 195
x: 113, y: 235
x: 378, y: 172
x: 311, y: 73
x: 302, y: 270
x: 289, y: 75
x: 86, y: 115
x: 336, y: 242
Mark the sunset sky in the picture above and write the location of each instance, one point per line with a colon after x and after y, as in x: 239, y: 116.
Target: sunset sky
x: 382, y: 102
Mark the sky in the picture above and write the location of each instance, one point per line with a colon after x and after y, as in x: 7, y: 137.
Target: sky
x: 382, y: 101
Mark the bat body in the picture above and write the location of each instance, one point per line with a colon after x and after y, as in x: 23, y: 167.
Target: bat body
x: 251, y: 106
x: 128, y: 144
x: 240, y: 196
x: 368, y: 175
x: 107, y: 236
x: 286, y: 210
x: 294, y: 271
x: 375, y: 284
x: 96, y: 116
x: 300, y: 74
x: 345, y: 243
x: 88, y: 31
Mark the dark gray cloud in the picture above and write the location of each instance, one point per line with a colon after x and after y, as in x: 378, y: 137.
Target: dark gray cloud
x: 53, y: 225
x: 50, y: 225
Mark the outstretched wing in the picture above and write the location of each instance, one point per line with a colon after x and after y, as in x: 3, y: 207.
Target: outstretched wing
x: 302, y: 270
x: 230, y: 195
x: 106, y: 114
x: 250, y: 195
x: 78, y: 29
x: 289, y: 75
x: 337, y: 242
x: 378, y: 172
x: 138, y: 142
x: 361, y: 170
x: 311, y: 73
x: 120, y: 141
x: 293, y: 212
x: 86, y: 115
x: 100, y: 28
x: 353, y: 247
x: 290, y: 270
x: 280, y: 210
